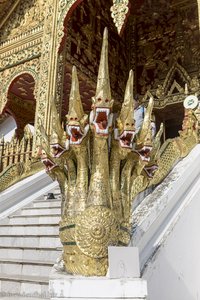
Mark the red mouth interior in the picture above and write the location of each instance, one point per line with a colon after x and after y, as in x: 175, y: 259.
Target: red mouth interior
x: 57, y: 150
x: 126, y: 139
x: 145, y: 153
x: 102, y: 120
x: 76, y: 134
x: 48, y: 164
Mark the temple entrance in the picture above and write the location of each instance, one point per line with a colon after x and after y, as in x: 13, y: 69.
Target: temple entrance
x: 161, y: 48
x: 171, y: 116
x: 81, y: 47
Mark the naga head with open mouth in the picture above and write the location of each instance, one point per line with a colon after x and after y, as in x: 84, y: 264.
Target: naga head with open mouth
x: 77, y: 120
x: 101, y: 115
x: 49, y: 164
x: 125, y: 129
x: 152, y: 166
x: 59, y: 146
x: 143, y: 143
x: 59, y: 143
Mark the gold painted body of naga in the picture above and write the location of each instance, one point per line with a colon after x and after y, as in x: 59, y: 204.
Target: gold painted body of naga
x: 101, y: 165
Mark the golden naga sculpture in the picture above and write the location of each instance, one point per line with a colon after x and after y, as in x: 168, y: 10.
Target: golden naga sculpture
x: 101, y: 165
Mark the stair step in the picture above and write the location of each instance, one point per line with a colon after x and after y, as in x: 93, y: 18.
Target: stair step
x: 39, y: 241
x: 22, y: 267
x: 29, y: 229
x: 40, y: 211
x: 36, y: 219
x: 25, y: 253
x: 29, y: 247
x: 33, y: 286
x: 47, y: 204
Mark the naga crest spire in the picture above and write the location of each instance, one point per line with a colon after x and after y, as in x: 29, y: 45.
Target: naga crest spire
x: 76, y: 118
x: 125, y: 130
x: 144, y: 137
x: 127, y: 110
x: 101, y: 116
x: 75, y: 104
x: 103, y: 80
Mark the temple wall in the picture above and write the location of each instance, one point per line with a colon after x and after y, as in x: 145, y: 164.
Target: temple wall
x: 7, y: 128
x: 175, y: 271
x: 167, y: 233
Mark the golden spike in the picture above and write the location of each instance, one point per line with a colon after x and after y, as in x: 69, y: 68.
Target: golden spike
x: 127, y: 110
x: 146, y: 123
x: 75, y: 104
x: 159, y: 133
x: 157, y: 143
x: 56, y: 125
x: 103, y: 80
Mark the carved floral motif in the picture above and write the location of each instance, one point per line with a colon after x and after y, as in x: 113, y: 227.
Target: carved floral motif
x: 119, y: 9
x: 28, y: 15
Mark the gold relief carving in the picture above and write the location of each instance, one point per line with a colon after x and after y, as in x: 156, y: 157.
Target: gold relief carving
x: 16, y: 161
x: 119, y: 11
x: 48, y: 69
x: 22, y: 55
x: 28, y: 15
x: 64, y: 7
x: 96, y: 229
x: 171, y: 92
x: 162, y: 39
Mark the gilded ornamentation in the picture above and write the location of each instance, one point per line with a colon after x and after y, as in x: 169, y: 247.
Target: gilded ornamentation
x: 26, y: 17
x: 119, y: 12
x: 25, y: 53
x: 171, y: 92
x: 174, y: 149
x: 96, y: 195
x: 15, y: 160
x: 95, y: 230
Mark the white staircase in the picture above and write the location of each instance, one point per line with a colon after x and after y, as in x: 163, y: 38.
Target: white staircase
x: 29, y: 246
x: 166, y: 231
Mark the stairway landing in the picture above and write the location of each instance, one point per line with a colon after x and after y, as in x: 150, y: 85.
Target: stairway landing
x: 29, y: 246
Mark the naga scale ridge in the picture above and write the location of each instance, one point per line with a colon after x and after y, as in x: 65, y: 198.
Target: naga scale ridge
x: 101, y: 165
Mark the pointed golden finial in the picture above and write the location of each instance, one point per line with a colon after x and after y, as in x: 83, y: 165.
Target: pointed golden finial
x: 144, y: 130
x: 156, y: 144
x: 159, y: 133
x: 103, y: 80
x: 75, y: 104
x: 128, y: 104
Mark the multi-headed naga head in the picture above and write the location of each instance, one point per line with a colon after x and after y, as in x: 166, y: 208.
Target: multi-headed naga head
x: 143, y: 145
x: 59, y: 141
x: 101, y: 116
x: 125, y: 129
x: 44, y: 152
x: 77, y: 120
x: 152, y: 166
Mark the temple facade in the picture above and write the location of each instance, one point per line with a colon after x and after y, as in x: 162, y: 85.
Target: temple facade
x: 54, y: 53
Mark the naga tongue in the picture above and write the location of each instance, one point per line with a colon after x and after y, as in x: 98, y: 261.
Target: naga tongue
x: 76, y: 135
x: 103, y: 124
x: 101, y: 120
x: 127, y: 139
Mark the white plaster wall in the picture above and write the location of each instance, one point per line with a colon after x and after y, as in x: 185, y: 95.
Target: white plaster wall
x: 7, y: 128
x: 173, y: 272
